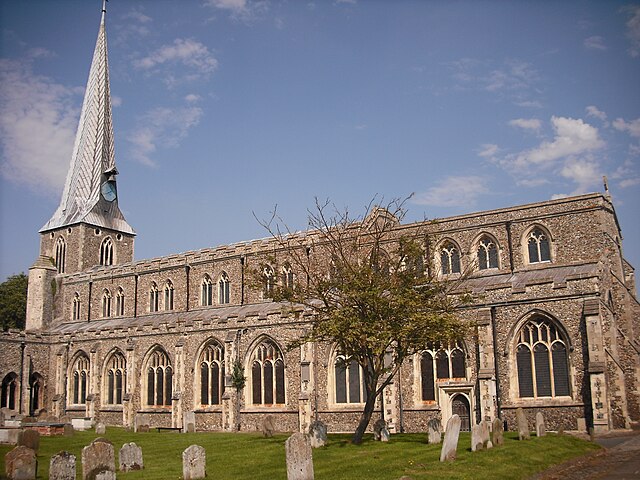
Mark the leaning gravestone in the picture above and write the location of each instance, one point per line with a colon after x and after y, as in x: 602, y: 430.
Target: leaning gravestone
x: 377, y: 429
x: 299, y: 457
x: 130, y: 457
x: 541, y: 429
x: 194, y: 462
x: 101, y: 429
x: 268, y: 426
x: 433, y: 431
x: 476, y: 438
x: 98, y: 460
x: 21, y: 464
x: 317, y: 434
x: 485, y: 434
x: 523, y: 425
x: 29, y: 438
x: 62, y: 466
x: 450, y: 444
x: 497, y: 432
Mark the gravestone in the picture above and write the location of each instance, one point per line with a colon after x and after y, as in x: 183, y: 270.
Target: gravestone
x: 194, y: 462
x: 141, y: 421
x: 434, y: 435
x: 268, y: 426
x: 62, y: 466
x: 485, y: 434
x: 497, y: 432
x: 143, y: 429
x: 68, y: 430
x: 2, y: 418
x: 450, y: 443
x: 130, y: 457
x: 523, y: 425
x: 377, y: 429
x: 299, y: 457
x: 28, y: 420
x: 476, y: 438
x: 29, y: 438
x: 65, y: 419
x: 101, y: 429
x: 541, y: 429
x: 384, y: 434
x: 189, y: 422
x: 98, y: 460
x: 52, y: 419
x: 317, y: 434
x: 21, y: 464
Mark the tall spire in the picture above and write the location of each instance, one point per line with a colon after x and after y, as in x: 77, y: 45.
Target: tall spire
x: 89, y: 194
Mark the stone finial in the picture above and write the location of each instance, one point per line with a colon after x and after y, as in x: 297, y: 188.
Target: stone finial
x: 299, y: 457
x: 194, y: 463
x: 450, y: 443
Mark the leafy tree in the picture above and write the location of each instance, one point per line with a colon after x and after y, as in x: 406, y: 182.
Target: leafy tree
x: 13, y: 301
x: 365, y: 280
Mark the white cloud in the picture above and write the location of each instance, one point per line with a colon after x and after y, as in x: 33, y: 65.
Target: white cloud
x: 595, y: 43
x: 244, y: 10
x: 192, y: 98
x: 136, y: 14
x: 533, y: 182
x: 526, y: 123
x: 350, y: 2
x: 135, y: 24
x: 629, y: 182
x: 116, y: 101
x: 557, y: 196
x: 453, y: 191
x: 627, y: 175
x: 593, y: 111
x: 488, y: 150
x: 35, y: 105
x: 40, y: 52
x: 161, y: 128
x: 633, y: 29
x: 585, y: 173
x: 632, y: 127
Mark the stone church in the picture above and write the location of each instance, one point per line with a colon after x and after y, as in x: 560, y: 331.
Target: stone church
x: 555, y: 320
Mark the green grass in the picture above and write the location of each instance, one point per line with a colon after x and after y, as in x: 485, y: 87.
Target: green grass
x: 252, y: 457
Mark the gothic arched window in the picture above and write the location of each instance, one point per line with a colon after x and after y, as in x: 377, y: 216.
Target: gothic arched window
x: 159, y: 379
x: 267, y: 374
x: 115, y: 378
x: 212, y: 374
x: 349, y: 380
x: 79, y: 380
x: 106, y: 252
x: 154, y: 297
x: 120, y: 302
x: 206, y: 291
x: 223, y: 289
x: 106, y: 303
x: 36, y: 393
x: 449, y: 258
x: 75, y: 308
x: 487, y: 253
x: 9, y: 391
x: 61, y: 254
x: 440, y: 363
x: 268, y: 281
x: 542, y: 360
x: 538, y: 246
x: 168, y: 295
x: 287, y: 277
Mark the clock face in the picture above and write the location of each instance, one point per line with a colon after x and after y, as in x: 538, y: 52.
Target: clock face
x: 109, y: 191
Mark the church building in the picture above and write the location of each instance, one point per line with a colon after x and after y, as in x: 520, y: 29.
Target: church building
x: 555, y: 321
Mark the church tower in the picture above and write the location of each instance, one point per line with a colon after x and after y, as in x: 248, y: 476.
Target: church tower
x: 88, y: 229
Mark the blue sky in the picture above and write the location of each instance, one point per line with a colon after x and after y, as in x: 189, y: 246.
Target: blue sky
x: 225, y: 108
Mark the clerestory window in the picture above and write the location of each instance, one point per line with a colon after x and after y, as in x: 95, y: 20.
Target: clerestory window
x: 449, y: 259
x: 538, y: 246
x: 487, y: 253
x: 223, y: 289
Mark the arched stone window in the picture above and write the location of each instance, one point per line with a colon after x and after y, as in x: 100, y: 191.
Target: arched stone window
x: 449, y: 258
x: 120, y: 302
x: 542, y: 359
x: 159, y: 379
x: 223, y: 289
x: 268, y: 281
x: 115, y: 378
x: 287, y: 277
x: 154, y: 297
x: 61, y: 254
x: 75, y: 308
x: 9, y: 396
x: 79, y: 380
x: 440, y: 363
x: 36, y: 392
x: 106, y: 303
x: 267, y: 374
x: 168, y: 295
x: 538, y: 246
x: 206, y: 291
x: 487, y: 253
x: 348, y: 380
x: 106, y: 252
x: 212, y: 374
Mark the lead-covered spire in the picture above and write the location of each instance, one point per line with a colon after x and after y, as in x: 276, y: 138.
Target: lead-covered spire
x: 90, y: 194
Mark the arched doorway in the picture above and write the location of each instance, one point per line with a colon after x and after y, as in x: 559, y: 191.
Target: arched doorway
x: 460, y: 406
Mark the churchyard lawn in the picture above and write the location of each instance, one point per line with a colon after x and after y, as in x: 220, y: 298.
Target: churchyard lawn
x: 250, y: 456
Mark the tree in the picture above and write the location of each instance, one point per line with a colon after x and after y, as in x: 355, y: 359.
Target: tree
x: 365, y: 280
x: 13, y: 301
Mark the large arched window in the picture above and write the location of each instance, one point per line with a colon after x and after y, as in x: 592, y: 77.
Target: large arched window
x: 268, y: 281
x: 487, y: 253
x: 159, y: 379
x: 9, y: 391
x: 106, y: 252
x: 349, y: 380
x: 120, y: 302
x: 154, y: 297
x: 61, y: 254
x: 542, y: 360
x: 168, y: 295
x: 287, y: 277
x: 267, y: 375
x: 449, y: 258
x: 211, y: 374
x: 538, y: 246
x: 79, y: 380
x: 440, y: 363
x: 106, y: 303
x: 75, y: 307
x: 36, y: 393
x: 115, y: 379
x: 223, y: 289
x: 206, y: 291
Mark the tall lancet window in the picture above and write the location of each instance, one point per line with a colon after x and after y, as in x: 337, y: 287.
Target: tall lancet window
x: 106, y: 252
x: 106, y: 304
x: 120, y: 302
x: 206, y: 291
x: 168, y: 295
x: 153, y: 297
x: 61, y: 254
x: 75, y: 313
x: 223, y: 289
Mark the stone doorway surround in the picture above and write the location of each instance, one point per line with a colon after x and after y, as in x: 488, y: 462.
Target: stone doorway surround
x: 447, y: 391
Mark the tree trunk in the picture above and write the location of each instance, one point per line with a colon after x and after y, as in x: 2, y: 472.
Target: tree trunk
x: 365, y: 417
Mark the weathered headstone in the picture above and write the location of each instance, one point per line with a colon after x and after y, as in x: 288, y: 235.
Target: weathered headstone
x: 52, y: 419
x: 62, y: 466
x: 434, y: 435
x: 29, y: 438
x: 384, y: 434
x: 317, y: 434
x: 541, y: 429
x: 523, y: 425
x: 98, y: 458
x: 268, y: 426
x: 497, y: 432
x: 68, y: 430
x: 377, y: 429
x: 450, y: 443
x: 143, y: 429
x: 2, y: 418
x: 485, y: 434
x: 65, y: 419
x: 299, y: 457
x: 194, y: 462
x: 28, y: 420
x: 476, y: 438
x: 21, y: 464
x: 140, y: 422
x: 189, y: 422
x: 101, y: 429
x: 130, y: 457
